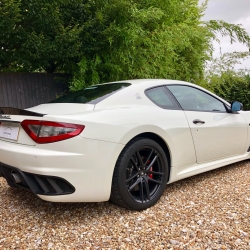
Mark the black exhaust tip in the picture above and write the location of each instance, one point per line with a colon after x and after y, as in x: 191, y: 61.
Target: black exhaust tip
x: 15, y: 177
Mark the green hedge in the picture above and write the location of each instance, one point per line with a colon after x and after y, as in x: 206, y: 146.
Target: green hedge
x: 231, y: 87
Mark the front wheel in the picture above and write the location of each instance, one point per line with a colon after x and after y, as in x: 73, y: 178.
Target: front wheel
x: 140, y: 175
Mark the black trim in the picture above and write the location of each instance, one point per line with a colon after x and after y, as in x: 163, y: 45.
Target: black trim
x: 206, y: 111
x: 197, y: 121
x: 38, y: 184
x: 15, y: 111
x: 9, y: 121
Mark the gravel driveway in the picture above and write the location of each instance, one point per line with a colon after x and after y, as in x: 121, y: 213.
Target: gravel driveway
x: 208, y: 211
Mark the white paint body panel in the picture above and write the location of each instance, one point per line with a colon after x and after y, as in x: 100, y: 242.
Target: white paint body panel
x: 88, y: 160
x: 222, y: 135
x: 62, y: 108
x: 90, y: 175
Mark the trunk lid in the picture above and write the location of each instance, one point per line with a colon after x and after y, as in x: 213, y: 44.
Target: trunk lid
x: 11, y: 118
x: 10, y: 128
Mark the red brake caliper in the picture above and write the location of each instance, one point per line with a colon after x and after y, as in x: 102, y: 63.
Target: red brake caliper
x: 150, y: 175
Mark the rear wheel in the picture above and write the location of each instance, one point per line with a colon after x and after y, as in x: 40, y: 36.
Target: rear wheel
x: 140, y: 175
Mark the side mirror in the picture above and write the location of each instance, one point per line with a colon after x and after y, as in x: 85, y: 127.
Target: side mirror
x: 236, y: 106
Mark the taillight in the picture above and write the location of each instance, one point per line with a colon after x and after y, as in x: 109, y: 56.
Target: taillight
x: 47, y: 132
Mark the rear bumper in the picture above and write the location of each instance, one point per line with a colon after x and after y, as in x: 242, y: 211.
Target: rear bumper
x: 85, y: 164
x: 39, y: 184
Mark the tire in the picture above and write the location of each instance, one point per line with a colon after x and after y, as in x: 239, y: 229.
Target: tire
x: 140, y: 175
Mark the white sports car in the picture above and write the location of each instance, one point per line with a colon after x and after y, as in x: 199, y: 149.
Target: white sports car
x: 122, y: 141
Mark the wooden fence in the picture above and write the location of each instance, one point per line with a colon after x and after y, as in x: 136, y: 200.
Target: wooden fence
x: 24, y: 90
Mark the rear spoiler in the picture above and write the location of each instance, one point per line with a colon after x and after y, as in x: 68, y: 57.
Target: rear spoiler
x: 5, y: 112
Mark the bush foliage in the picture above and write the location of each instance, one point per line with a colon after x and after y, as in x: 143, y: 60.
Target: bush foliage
x: 99, y: 41
x: 223, y: 79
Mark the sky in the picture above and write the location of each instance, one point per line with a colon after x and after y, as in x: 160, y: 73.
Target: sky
x: 231, y: 11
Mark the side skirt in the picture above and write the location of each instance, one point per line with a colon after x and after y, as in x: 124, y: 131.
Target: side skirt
x: 182, y: 172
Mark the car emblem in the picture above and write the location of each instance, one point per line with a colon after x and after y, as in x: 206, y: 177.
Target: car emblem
x: 5, y: 117
x: 137, y: 96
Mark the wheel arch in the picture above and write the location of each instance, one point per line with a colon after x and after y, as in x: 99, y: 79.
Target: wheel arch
x: 160, y: 141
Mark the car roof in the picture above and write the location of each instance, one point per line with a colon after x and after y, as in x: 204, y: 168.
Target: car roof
x: 153, y: 81
x: 138, y: 87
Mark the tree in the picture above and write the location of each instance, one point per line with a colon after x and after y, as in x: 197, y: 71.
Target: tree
x: 222, y: 78
x: 146, y: 39
x: 38, y: 35
x: 100, y: 41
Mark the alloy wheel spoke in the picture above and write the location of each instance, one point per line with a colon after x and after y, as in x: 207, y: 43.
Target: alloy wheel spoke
x: 139, y: 158
x: 153, y: 172
x: 152, y: 163
x: 132, y: 177
x: 141, y: 190
x: 149, y: 157
x: 147, y: 188
x: 153, y: 180
x: 135, y: 184
x: 134, y: 163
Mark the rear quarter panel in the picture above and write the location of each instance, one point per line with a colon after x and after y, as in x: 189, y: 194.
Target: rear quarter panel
x: 120, y: 125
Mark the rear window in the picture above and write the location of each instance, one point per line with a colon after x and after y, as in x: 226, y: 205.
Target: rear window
x: 92, y: 94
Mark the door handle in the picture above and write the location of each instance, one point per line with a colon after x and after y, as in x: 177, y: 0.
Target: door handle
x: 196, y: 121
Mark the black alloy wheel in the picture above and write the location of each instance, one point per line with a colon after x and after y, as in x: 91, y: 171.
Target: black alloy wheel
x: 140, y: 175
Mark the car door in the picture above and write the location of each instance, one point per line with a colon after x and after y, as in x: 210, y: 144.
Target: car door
x: 171, y: 118
x: 216, y: 133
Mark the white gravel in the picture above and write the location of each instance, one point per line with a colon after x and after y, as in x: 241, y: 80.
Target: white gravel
x: 208, y: 211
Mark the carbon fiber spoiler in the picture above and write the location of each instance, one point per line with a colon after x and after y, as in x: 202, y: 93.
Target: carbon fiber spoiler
x: 5, y: 111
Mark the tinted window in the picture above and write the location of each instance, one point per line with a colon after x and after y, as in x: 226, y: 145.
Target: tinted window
x: 161, y: 97
x: 92, y: 94
x: 194, y: 99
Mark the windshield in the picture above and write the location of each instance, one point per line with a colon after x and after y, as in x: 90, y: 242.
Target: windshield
x: 92, y: 94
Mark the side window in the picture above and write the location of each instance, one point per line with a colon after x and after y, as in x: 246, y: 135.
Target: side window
x: 162, y: 98
x: 194, y: 99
